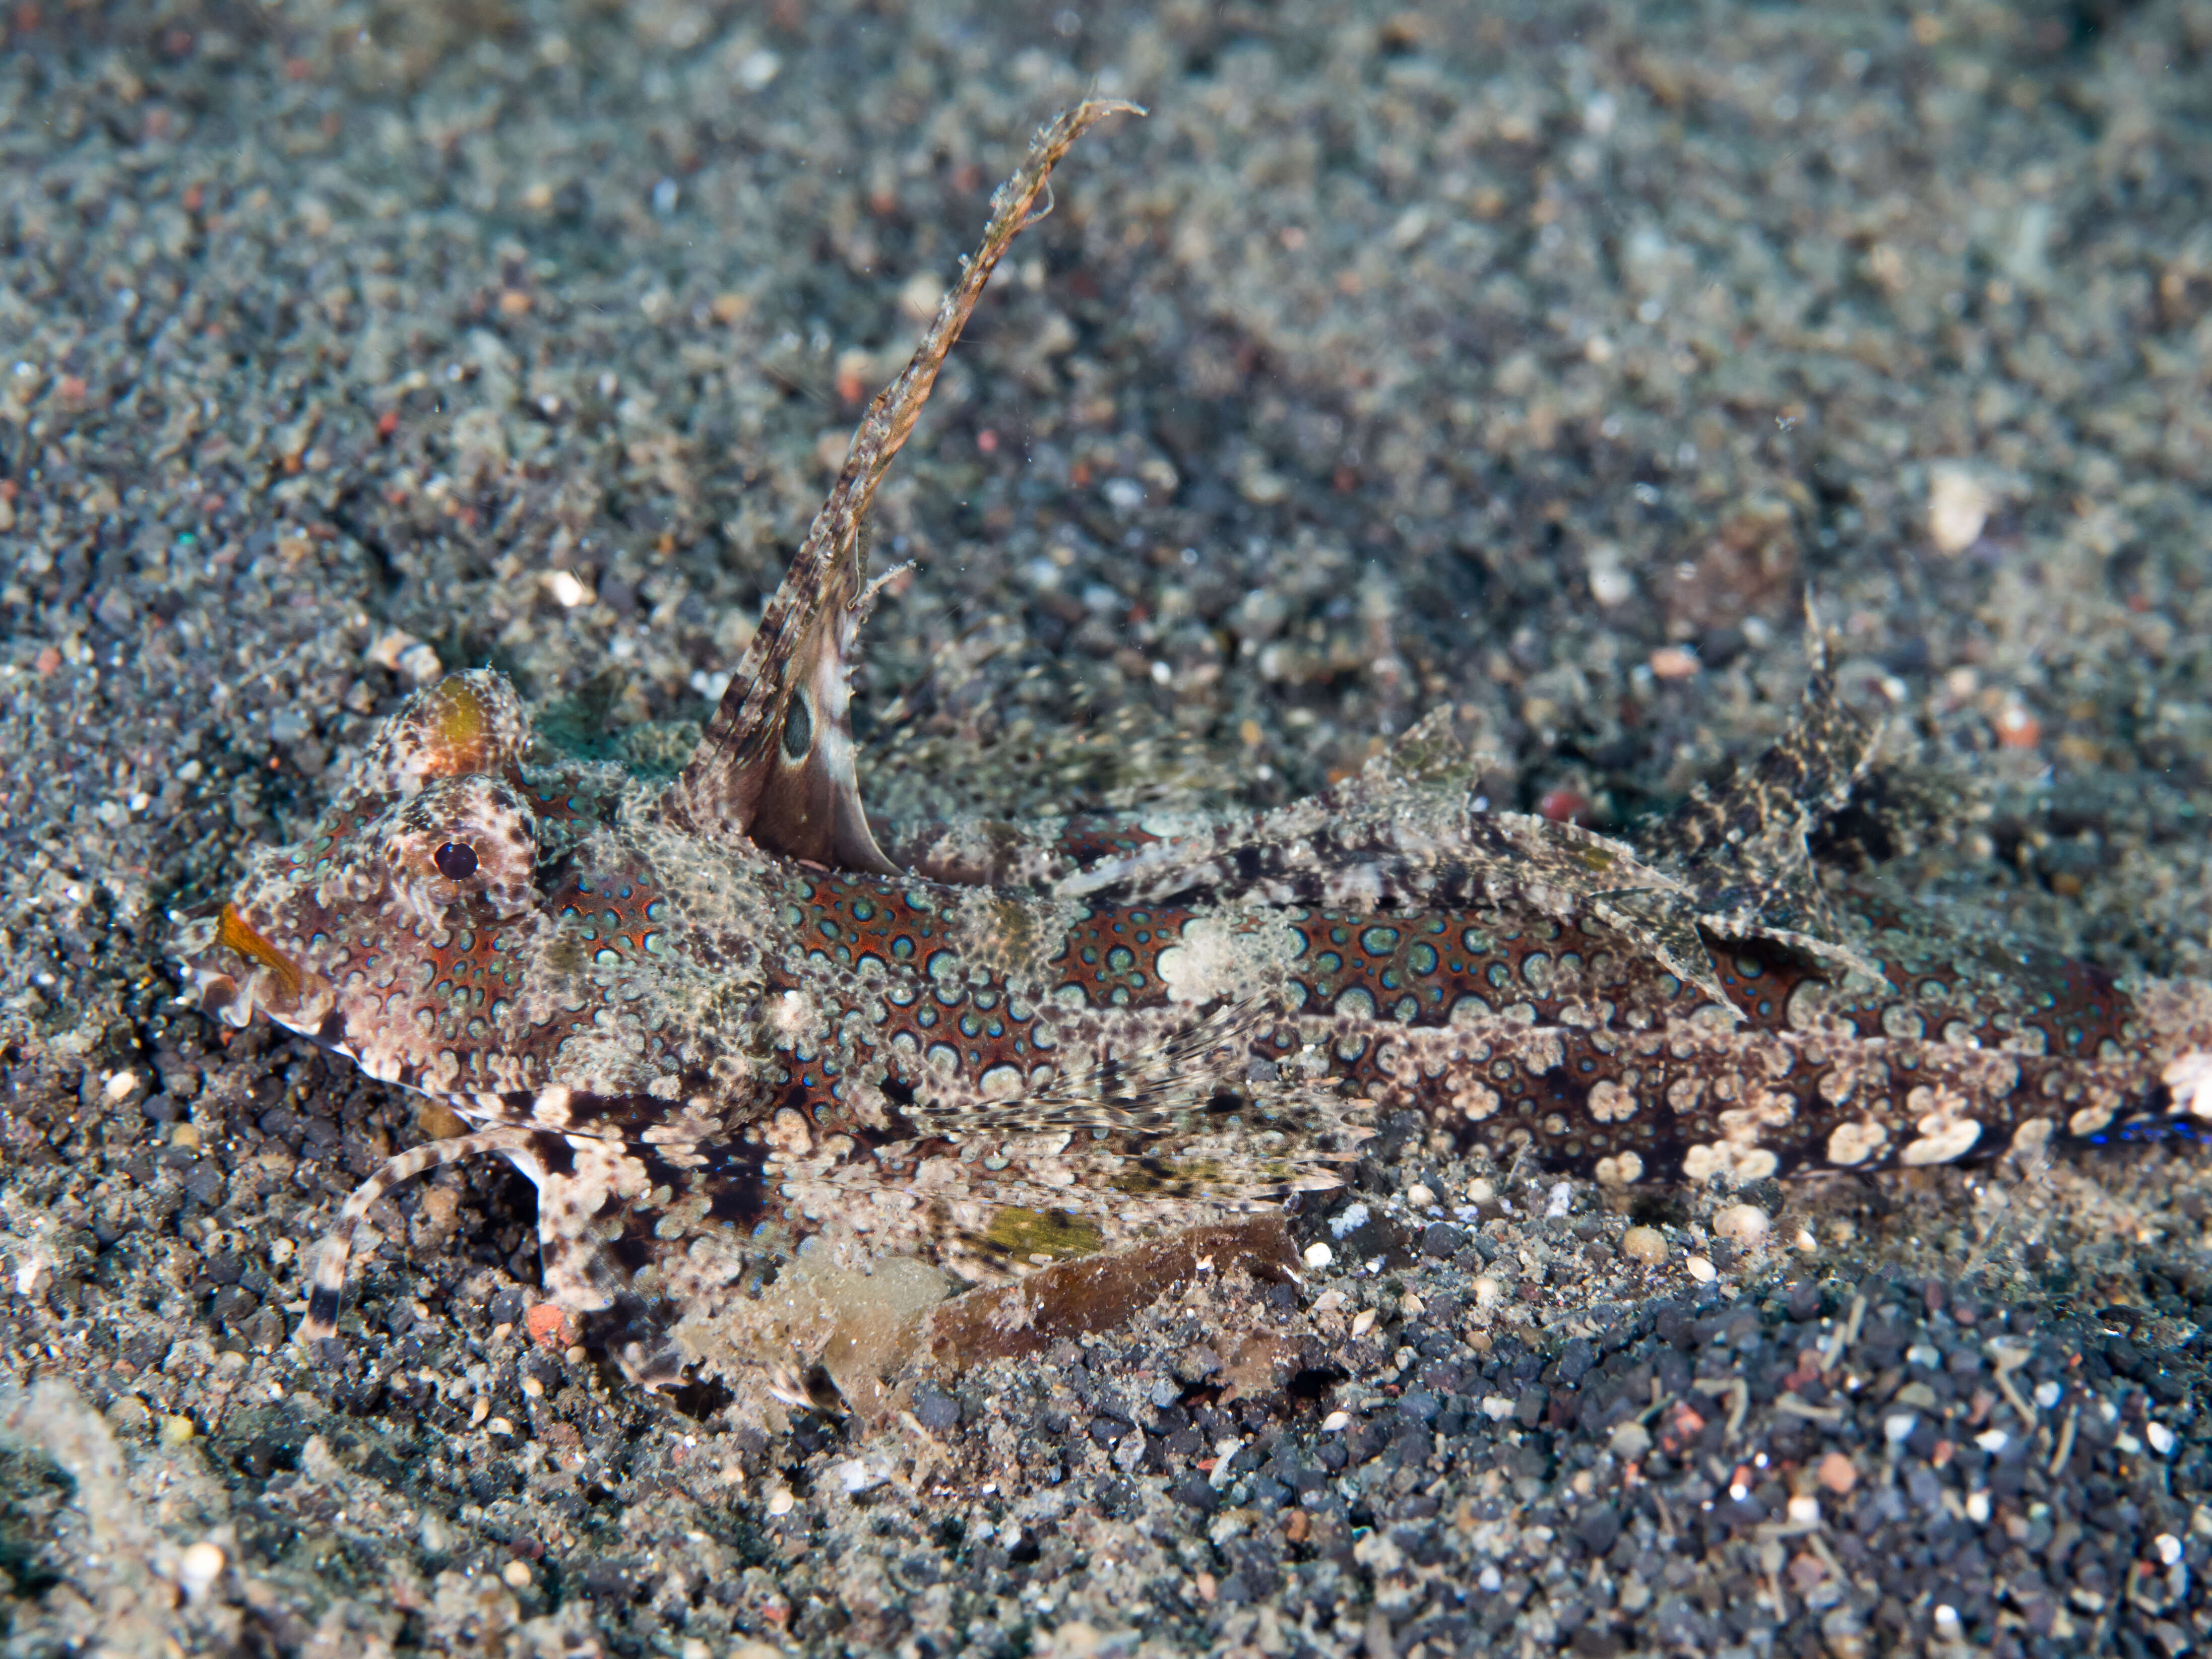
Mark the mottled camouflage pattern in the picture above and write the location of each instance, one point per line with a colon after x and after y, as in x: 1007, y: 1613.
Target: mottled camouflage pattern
x: 712, y: 1022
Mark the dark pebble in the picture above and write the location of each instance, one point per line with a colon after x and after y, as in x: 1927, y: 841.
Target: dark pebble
x: 1597, y: 1528
x: 1442, y: 1240
x: 1198, y: 1493
x: 1576, y: 1360
x: 935, y: 1410
x: 1419, y: 1405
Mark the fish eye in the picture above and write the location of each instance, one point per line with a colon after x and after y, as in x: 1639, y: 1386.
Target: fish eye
x: 466, y: 839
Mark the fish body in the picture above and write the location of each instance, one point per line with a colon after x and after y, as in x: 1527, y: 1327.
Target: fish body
x: 714, y: 1021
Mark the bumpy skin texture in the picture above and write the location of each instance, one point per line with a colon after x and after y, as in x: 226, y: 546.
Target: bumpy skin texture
x: 712, y: 1024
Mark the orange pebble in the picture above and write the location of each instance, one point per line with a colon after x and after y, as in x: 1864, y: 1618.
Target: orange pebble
x: 1837, y: 1473
x: 2017, y: 728
x: 548, y: 1327
x: 1565, y: 804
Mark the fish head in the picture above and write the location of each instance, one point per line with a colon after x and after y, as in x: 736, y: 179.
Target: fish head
x: 414, y: 930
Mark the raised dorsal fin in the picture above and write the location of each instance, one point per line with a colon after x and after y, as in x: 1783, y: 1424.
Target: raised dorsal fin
x: 1743, y: 849
x: 776, y: 760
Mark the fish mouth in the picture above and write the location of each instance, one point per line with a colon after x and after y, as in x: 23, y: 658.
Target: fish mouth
x: 208, y: 974
x: 231, y: 972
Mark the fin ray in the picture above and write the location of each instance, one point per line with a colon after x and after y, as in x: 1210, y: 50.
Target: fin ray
x: 776, y: 761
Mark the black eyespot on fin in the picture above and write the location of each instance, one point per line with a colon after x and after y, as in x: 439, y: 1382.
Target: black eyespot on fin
x: 798, y: 728
x: 805, y: 802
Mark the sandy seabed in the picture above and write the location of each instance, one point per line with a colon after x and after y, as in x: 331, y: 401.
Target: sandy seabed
x: 1535, y: 363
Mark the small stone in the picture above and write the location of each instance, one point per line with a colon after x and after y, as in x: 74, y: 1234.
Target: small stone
x: 1198, y: 1362
x: 1644, y: 1245
x: 402, y: 653
x: 1741, y: 1223
x: 1701, y: 1270
x: 937, y: 1411
x: 517, y: 1574
x: 1837, y: 1473
x: 1197, y: 1493
x: 757, y: 67
x: 565, y: 591
x: 1363, y: 1321
x: 918, y: 295
x: 2161, y: 1438
x: 199, y: 1568
x: 176, y: 1432
x: 546, y: 1325
x: 1630, y: 1440
x: 1486, y: 1290
x: 1897, y: 1428
x: 1597, y: 1528
x: 2016, y: 727
x: 1804, y: 1511
x: 1336, y: 1423
x: 1318, y: 1255
x: 856, y: 1476
x: 1610, y: 585
x: 1418, y: 1406
x: 1958, y: 508
x: 779, y: 1501
x: 1442, y: 1240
